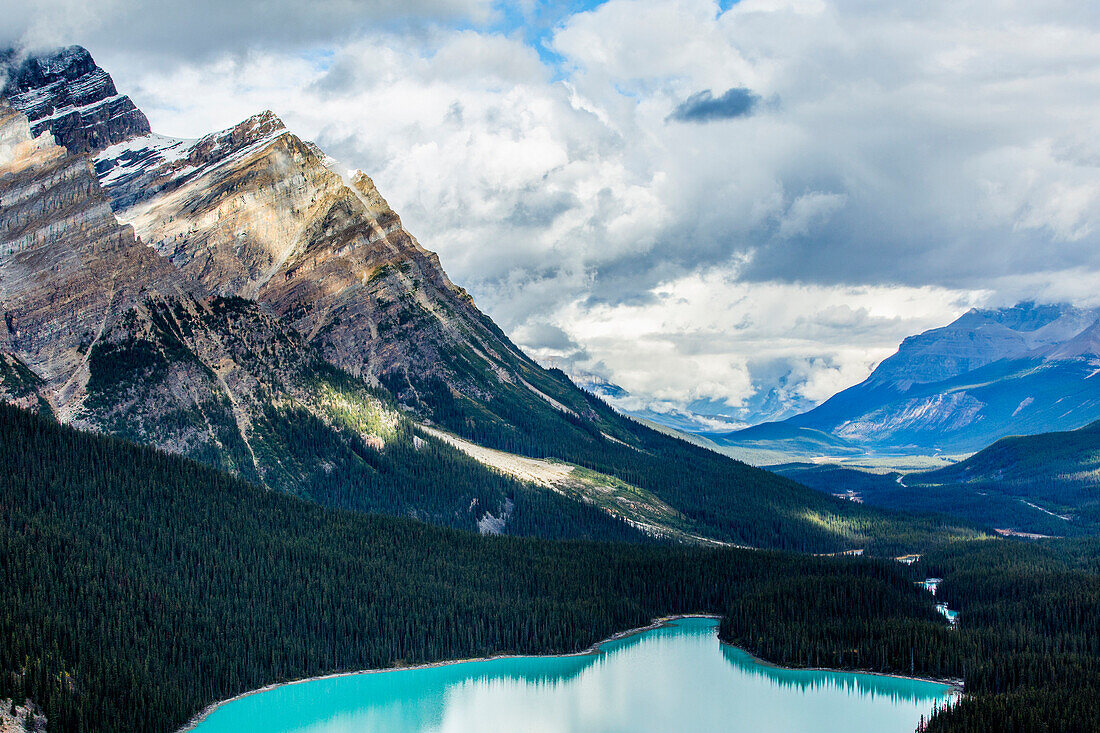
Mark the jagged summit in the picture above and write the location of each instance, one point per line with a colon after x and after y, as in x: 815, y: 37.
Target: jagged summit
x: 146, y: 166
x: 66, y: 93
x: 257, y: 212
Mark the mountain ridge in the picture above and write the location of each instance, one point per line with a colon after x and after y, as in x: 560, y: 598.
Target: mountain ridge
x: 960, y: 387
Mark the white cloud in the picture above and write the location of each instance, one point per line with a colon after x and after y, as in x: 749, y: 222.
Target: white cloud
x: 903, y: 163
x: 708, y: 335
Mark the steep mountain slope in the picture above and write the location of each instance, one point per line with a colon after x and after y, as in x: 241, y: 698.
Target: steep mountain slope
x: 1025, y: 369
x: 273, y: 318
x: 68, y: 95
x: 1071, y: 457
x: 67, y: 267
x: 106, y: 334
x: 256, y: 212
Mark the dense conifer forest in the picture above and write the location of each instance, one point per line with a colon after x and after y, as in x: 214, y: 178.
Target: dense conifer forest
x: 140, y: 587
x: 1029, y: 635
x: 1027, y: 644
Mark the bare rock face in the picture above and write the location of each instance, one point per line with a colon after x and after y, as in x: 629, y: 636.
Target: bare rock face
x: 104, y: 332
x: 256, y: 212
x: 66, y: 264
x: 66, y: 94
x: 25, y: 718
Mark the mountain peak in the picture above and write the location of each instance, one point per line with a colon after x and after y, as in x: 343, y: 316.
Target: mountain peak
x: 65, y: 92
x: 1026, y: 316
x: 35, y: 71
x: 980, y: 337
x: 259, y: 125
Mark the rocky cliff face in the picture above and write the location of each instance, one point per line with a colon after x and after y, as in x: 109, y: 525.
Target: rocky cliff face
x: 68, y: 95
x: 67, y: 267
x: 107, y: 334
x: 256, y: 212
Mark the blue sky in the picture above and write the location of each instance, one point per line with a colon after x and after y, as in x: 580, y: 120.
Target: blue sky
x: 536, y: 24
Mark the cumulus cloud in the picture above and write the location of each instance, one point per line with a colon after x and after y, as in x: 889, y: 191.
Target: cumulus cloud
x: 925, y: 158
x: 705, y: 107
x: 751, y: 348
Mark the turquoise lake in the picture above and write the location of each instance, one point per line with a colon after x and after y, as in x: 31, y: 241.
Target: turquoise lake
x: 674, y: 678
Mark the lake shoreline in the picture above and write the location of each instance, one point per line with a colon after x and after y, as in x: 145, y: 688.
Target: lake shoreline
x: 955, y: 684
x: 594, y: 649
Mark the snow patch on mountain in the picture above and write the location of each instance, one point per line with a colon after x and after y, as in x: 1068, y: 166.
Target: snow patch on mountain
x: 141, y: 167
x: 940, y: 412
x: 1023, y: 404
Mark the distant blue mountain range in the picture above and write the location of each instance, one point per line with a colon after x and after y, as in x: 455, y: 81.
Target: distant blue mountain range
x: 992, y: 373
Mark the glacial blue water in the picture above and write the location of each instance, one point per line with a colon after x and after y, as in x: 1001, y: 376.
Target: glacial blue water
x: 674, y: 678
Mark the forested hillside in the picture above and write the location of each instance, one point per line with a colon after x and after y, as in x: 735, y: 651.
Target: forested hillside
x: 140, y: 586
x: 1053, y: 479
x: 1027, y: 642
x: 1041, y: 484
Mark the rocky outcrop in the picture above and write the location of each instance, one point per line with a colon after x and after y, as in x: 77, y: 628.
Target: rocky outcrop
x: 25, y: 718
x: 66, y: 94
x: 107, y: 334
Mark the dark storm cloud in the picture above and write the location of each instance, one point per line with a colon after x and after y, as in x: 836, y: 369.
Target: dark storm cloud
x: 705, y: 107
